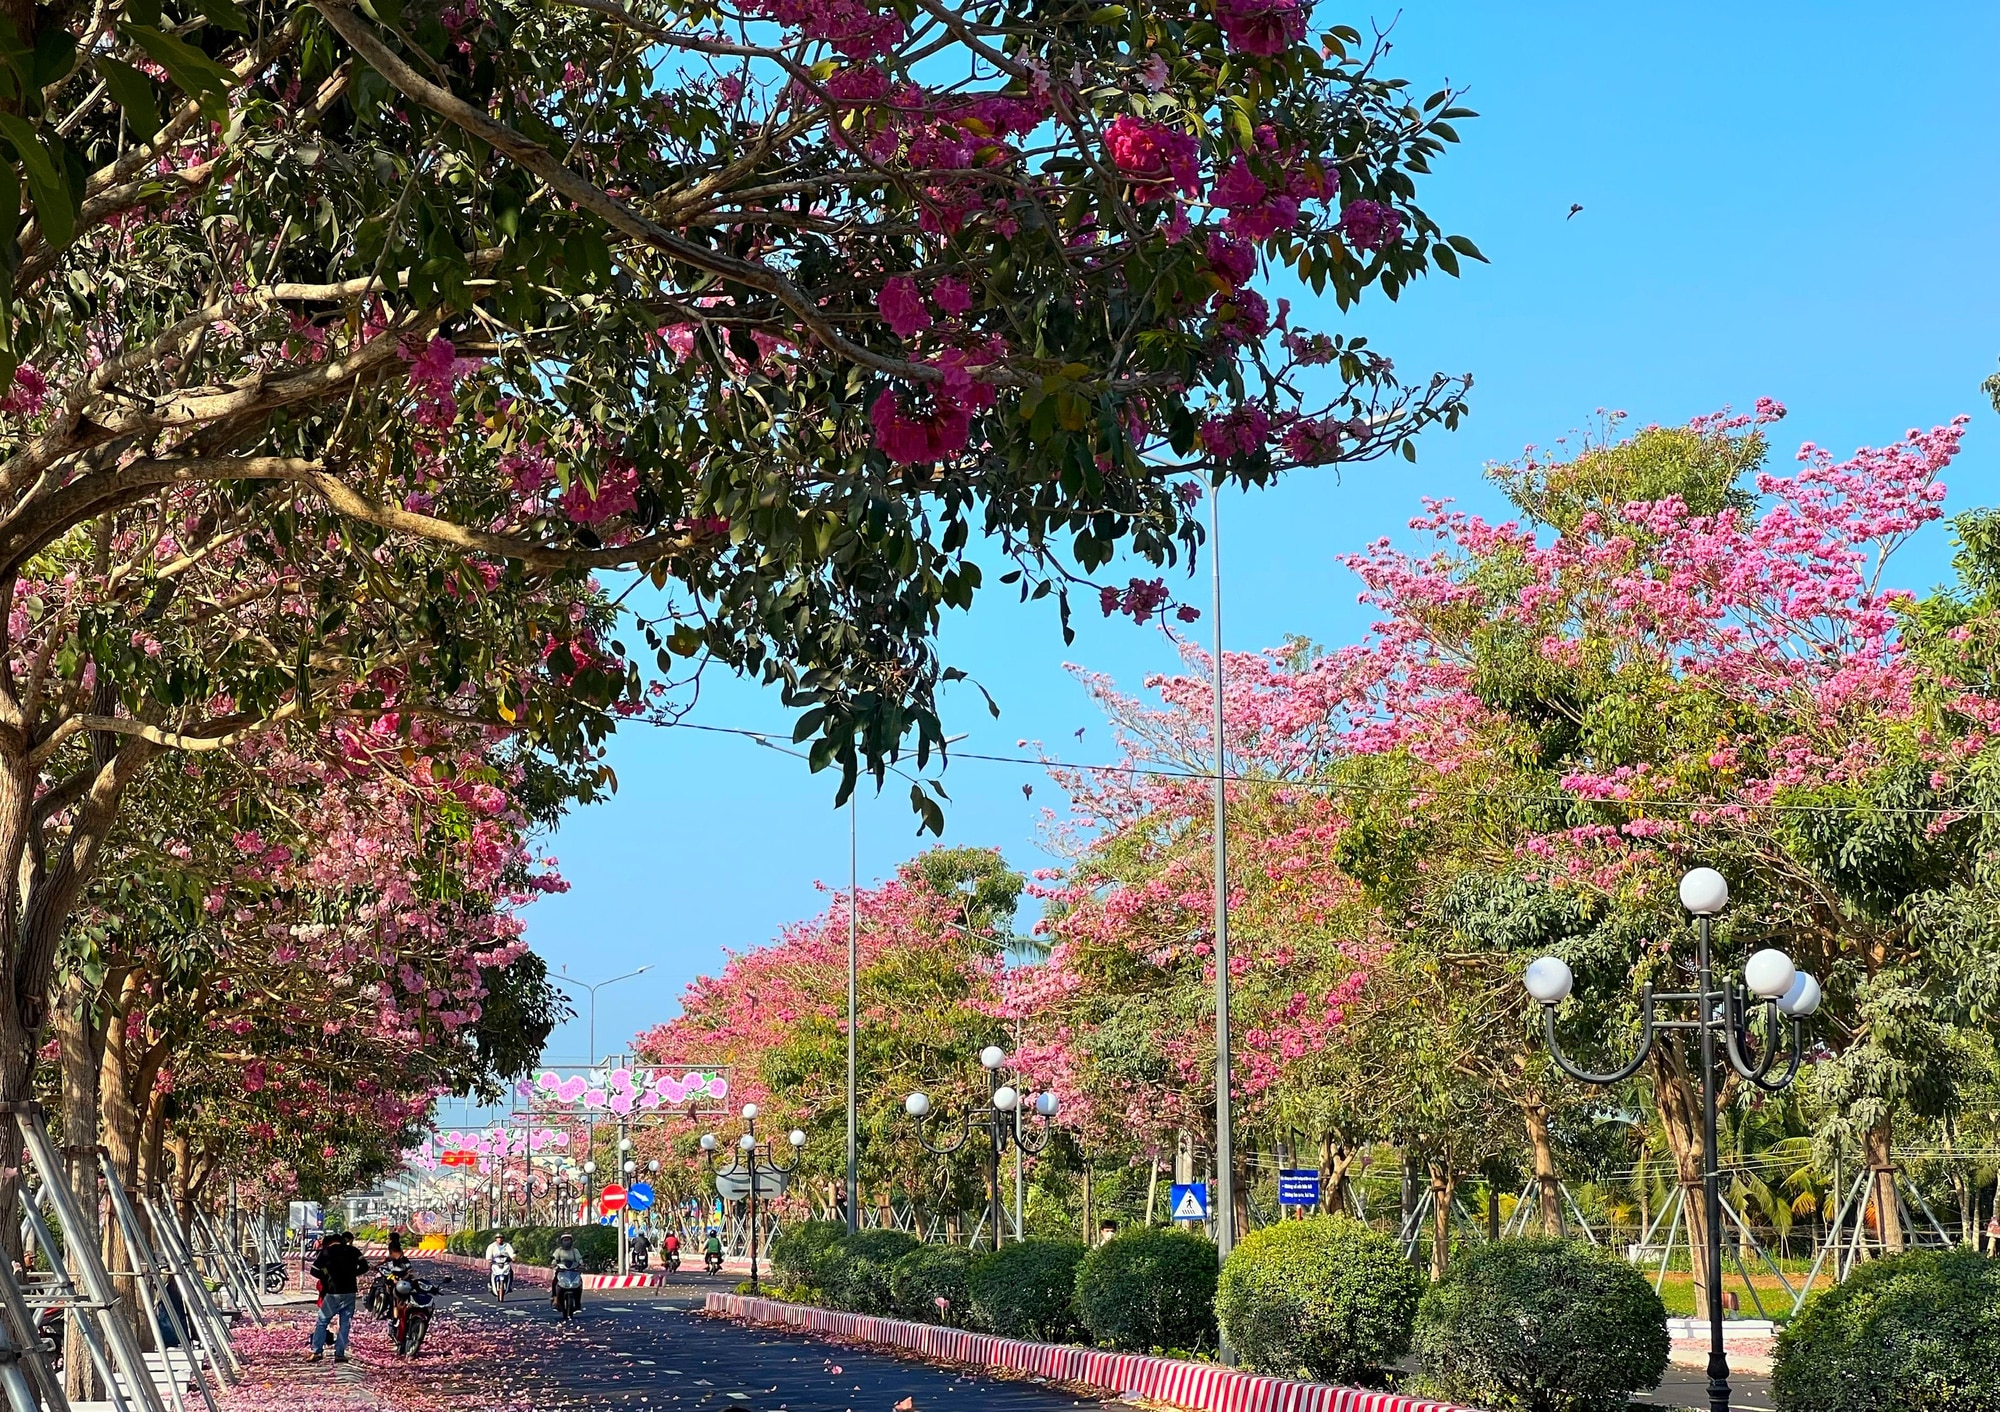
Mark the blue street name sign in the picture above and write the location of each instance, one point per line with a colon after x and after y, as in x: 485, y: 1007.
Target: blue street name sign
x: 639, y: 1197
x: 1298, y: 1188
x: 1189, y: 1201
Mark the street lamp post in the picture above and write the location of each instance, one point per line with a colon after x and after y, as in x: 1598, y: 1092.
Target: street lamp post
x: 1774, y: 990
x: 1000, y: 1117
x: 593, y: 989
x: 752, y: 1152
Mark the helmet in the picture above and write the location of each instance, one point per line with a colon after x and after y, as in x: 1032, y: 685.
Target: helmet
x: 566, y: 1239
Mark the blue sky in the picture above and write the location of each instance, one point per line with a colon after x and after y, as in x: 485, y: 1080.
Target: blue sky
x: 1796, y: 201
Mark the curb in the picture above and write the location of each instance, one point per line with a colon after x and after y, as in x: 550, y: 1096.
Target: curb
x: 1197, y: 1387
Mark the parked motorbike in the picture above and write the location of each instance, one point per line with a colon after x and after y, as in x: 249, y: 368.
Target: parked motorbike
x: 415, y: 1303
x: 381, y: 1297
x: 500, y: 1277
x: 49, y: 1326
x: 276, y: 1276
x: 566, y: 1292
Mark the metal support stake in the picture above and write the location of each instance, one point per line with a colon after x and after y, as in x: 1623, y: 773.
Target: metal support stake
x: 156, y: 1288
x: 90, y: 1328
x: 95, y: 1279
x: 194, y: 1290
x: 20, y: 1344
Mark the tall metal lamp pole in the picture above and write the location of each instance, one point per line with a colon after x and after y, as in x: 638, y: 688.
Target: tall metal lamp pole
x: 1777, y: 990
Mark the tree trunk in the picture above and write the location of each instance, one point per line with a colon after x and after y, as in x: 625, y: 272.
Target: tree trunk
x: 1548, y: 1185
x: 1336, y: 1161
x: 1444, y: 1189
x: 77, y: 1034
x: 1089, y: 1236
x: 1888, y: 1215
x: 1679, y: 1099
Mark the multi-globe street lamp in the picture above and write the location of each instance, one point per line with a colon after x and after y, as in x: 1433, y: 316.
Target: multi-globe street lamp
x: 1001, y: 1117
x: 1774, y: 990
x: 758, y: 1160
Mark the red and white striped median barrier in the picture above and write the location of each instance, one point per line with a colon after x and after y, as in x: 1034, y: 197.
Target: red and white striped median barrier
x: 1198, y: 1387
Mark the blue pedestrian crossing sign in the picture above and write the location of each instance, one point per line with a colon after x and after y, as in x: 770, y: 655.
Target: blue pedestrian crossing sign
x: 1188, y: 1201
x: 639, y: 1197
x: 1298, y: 1187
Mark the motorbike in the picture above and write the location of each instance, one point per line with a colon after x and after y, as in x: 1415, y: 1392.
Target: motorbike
x: 381, y: 1297
x: 672, y: 1260
x: 276, y: 1277
x: 500, y: 1276
x: 566, y: 1293
x: 49, y: 1327
x: 713, y: 1260
x: 415, y: 1303
x: 639, y: 1259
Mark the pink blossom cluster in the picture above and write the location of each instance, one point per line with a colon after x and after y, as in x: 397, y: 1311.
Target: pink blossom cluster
x: 1265, y: 28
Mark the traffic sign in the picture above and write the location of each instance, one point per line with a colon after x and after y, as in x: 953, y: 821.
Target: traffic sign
x: 639, y: 1197
x: 733, y: 1183
x: 1298, y: 1187
x: 1189, y: 1201
x: 612, y: 1198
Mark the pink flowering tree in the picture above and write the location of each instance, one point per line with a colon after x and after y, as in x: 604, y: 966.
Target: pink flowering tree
x: 930, y: 948
x: 1121, y: 1012
x: 1678, y: 657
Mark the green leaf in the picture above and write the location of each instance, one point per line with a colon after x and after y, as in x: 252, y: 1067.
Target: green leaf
x: 54, y: 208
x: 132, y: 91
x: 1444, y: 258
x: 55, y: 55
x: 1465, y: 248
x: 192, y: 71
x: 224, y: 14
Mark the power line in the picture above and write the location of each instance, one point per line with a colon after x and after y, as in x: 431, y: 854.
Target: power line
x: 767, y: 739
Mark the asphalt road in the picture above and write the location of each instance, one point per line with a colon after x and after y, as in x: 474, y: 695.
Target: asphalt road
x: 632, y: 1350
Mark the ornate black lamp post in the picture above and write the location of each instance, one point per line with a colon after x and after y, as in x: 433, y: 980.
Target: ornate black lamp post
x: 757, y: 1159
x: 1774, y: 991
x: 1001, y: 1117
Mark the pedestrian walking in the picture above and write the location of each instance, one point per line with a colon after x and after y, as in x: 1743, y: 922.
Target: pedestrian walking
x: 339, y: 1268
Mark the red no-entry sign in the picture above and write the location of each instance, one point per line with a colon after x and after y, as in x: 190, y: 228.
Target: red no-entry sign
x: 612, y: 1198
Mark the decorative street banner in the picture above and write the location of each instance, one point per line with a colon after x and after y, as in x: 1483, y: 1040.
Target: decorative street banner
x: 1298, y: 1187
x: 626, y: 1091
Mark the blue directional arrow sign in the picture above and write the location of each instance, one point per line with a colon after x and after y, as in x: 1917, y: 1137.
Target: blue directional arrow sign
x: 1188, y: 1201
x: 639, y: 1197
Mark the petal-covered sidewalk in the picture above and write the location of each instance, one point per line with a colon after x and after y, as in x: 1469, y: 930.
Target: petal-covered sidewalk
x: 464, y: 1368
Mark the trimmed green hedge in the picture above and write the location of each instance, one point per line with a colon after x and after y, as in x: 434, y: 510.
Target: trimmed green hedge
x: 802, y: 1253
x: 1915, y: 1331
x: 1028, y: 1290
x: 1150, y: 1289
x: 856, y: 1273
x: 1325, y: 1299
x: 930, y: 1285
x: 1542, y: 1325
x: 534, y: 1244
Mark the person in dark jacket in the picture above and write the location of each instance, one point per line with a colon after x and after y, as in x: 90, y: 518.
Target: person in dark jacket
x: 339, y: 1268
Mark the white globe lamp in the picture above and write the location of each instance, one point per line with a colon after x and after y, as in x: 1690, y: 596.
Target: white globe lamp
x: 1770, y: 973
x: 1549, y: 980
x: 1704, y: 892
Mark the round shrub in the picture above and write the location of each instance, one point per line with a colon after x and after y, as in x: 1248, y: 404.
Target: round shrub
x: 856, y: 1277
x: 1148, y: 1289
x: 1542, y: 1325
x: 928, y: 1275
x: 1919, y: 1330
x: 1028, y: 1290
x: 1326, y: 1299
x: 801, y: 1252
